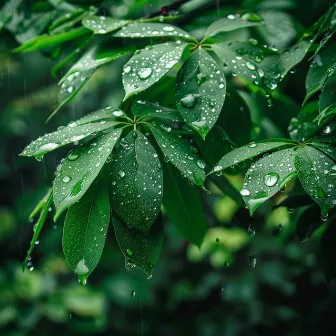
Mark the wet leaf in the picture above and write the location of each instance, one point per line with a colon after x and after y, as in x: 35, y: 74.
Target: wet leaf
x: 149, y: 65
x: 143, y: 30
x: 267, y: 176
x: 327, y: 149
x: 233, y: 22
x: 328, y: 96
x: 179, y: 153
x: 82, y: 71
x: 183, y: 205
x: 141, y: 249
x: 39, y: 225
x: 64, y: 136
x: 322, y: 66
x: 251, y: 150
x: 80, y: 168
x: 85, y: 229
x: 317, y: 173
x: 103, y: 24
x: 7, y: 11
x: 200, y: 91
x: 136, y: 182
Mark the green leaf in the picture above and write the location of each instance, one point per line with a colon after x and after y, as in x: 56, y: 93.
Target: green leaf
x: 319, y: 69
x: 233, y: 22
x: 149, y: 65
x: 80, y: 169
x: 136, y: 174
x: 267, y: 176
x: 7, y: 11
x: 85, y: 229
x: 251, y: 150
x: 200, y: 91
x: 47, y: 41
x: 327, y: 149
x: 39, y: 225
x: 183, y: 205
x: 64, y: 136
x: 103, y: 24
x: 38, y: 208
x: 143, y: 30
x: 82, y: 71
x: 179, y: 153
x: 101, y: 115
x: 317, y: 173
x: 141, y: 249
x: 328, y: 95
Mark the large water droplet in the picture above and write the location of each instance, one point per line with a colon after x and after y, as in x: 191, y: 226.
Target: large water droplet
x: 271, y: 179
x: 250, y: 66
x: 244, y: 192
x: 144, y: 73
x: 73, y: 155
x: 129, y: 252
x: 122, y: 173
x: 66, y: 179
x: 251, y: 17
x: 189, y: 100
x: 252, y: 261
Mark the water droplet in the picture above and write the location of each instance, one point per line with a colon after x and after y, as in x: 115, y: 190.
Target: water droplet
x: 132, y: 293
x: 189, y: 100
x: 324, y: 217
x: 252, y: 261
x: 129, y: 252
x: 253, y: 41
x: 253, y: 145
x: 231, y: 17
x: 244, y: 192
x: 168, y: 28
x: 117, y: 113
x: 251, y: 230
x: 290, y: 210
x: 134, y: 134
x: 201, y: 164
x: 73, y: 155
x: 66, y: 179
x: 261, y: 73
x: 250, y: 66
x: 122, y: 173
x: 127, y: 69
x: 271, y: 179
x: 201, y: 78
x: 102, y: 31
x: 144, y: 73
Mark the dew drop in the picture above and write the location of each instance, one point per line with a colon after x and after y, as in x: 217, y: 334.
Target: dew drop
x: 129, y: 252
x: 144, y: 73
x: 189, y: 100
x: 252, y: 261
x: 122, y: 173
x: 66, y: 179
x: 72, y: 156
x: 127, y: 69
x: 250, y: 66
x: 271, y: 179
x: 244, y: 192
x: 253, y: 145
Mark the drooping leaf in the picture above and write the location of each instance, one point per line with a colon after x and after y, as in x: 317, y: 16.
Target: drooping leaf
x: 46, y: 41
x: 267, y: 176
x: 103, y: 24
x: 64, y: 136
x: 317, y: 173
x: 200, y: 91
x: 179, y: 153
x: 143, y: 30
x: 85, y: 229
x: 7, y: 11
x: 82, y: 71
x: 149, y: 65
x: 322, y: 66
x: 251, y: 150
x: 136, y: 182
x: 39, y: 225
x: 233, y: 22
x: 141, y: 249
x: 80, y: 169
x: 183, y: 205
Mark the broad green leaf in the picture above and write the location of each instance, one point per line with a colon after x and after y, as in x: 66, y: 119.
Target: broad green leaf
x: 101, y: 115
x: 103, y: 24
x: 327, y: 149
x: 136, y: 187
x: 85, y: 229
x: 80, y: 169
x: 81, y: 72
x: 319, y: 69
x: 183, y: 205
x: 179, y: 153
x: 317, y: 173
x: 328, y: 95
x: 7, y: 11
x: 47, y: 41
x: 267, y: 176
x: 149, y: 65
x: 39, y: 225
x: 251, y: 150
x: 64, y: 136
x: 200, y: 91
x: 143, y: 30
x: 141, y: 249
x: 233, y: 22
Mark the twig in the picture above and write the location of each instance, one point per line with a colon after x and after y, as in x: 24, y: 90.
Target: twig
x: 164, y: 11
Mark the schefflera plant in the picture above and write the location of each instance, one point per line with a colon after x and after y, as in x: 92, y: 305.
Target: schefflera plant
x: 132, y: 160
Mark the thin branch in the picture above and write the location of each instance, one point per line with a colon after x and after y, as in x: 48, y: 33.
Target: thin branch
x: 164, y: 11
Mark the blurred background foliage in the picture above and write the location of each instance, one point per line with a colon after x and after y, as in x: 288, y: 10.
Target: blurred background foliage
x: 270, y: 274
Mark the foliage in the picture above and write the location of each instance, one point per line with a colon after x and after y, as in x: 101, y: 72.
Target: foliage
x: 180, y: 95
